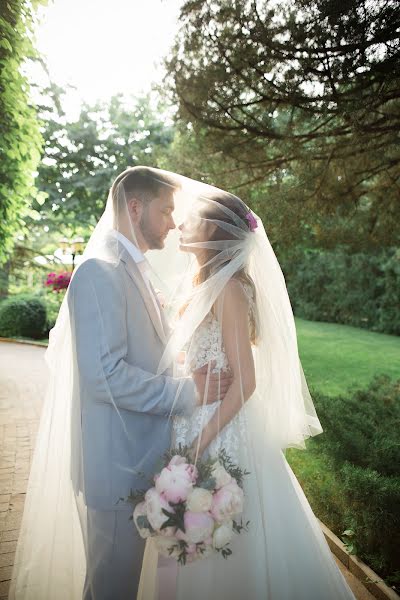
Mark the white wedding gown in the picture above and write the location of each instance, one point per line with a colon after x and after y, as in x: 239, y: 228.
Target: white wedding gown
x: 284, y: 554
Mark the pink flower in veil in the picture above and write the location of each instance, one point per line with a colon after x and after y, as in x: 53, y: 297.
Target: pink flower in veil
x: 252, y: 221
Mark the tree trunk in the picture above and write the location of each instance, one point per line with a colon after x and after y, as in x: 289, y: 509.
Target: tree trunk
x: 4, y: 279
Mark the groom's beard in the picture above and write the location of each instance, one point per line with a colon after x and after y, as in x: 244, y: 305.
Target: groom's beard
x: 154, y: 241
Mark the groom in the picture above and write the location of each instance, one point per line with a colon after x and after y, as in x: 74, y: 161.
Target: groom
x: 119, y: 333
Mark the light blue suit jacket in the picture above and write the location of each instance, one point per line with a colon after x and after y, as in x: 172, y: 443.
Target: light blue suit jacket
x: 124, y: 408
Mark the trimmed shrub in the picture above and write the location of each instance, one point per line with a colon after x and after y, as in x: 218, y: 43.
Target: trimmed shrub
x: 361, y: 290
x: 374, y: 517
x: 361, y: 440
x: 363, y: 428
x: 23, y: 316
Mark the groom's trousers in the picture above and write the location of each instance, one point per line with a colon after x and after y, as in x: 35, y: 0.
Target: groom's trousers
x: 114, y: 556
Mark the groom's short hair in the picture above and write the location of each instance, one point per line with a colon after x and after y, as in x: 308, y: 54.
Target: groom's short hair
x: 144, y: 183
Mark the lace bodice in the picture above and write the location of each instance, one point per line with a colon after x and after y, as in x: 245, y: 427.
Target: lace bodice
x: 207, y: 345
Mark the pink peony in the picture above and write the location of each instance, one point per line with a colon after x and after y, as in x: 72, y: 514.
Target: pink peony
x: 176, y: 481
x: 198, y: 526
x: 154, y: 505
x: 177, y: 460
x: 227, y: 502
x: 220, y: 475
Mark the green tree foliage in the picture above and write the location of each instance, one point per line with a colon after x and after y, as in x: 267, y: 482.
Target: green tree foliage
x: 82, y: 158
x: 20, y: 139
x: 301, y: 98
x: 356, y: 289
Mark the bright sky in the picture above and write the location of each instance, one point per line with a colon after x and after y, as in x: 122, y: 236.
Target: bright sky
x: 103, y: 47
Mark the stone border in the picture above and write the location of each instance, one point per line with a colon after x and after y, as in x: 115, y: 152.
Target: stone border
x: 28, y: 342
x: 364, y: 574
x: 360, y: 570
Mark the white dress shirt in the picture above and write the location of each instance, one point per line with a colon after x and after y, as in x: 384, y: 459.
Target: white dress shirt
x: 142, y: 263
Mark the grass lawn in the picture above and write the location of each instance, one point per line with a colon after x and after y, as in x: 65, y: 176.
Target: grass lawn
x: 320, y: 484
x: 338, y: 357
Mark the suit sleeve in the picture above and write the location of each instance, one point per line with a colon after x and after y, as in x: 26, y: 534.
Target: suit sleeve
x: 97, y: 308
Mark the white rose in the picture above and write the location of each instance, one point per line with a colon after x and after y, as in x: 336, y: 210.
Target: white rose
x: 154, y: 505
x: 222, y: 535
x: 199, y: 500
x: 220, y: 475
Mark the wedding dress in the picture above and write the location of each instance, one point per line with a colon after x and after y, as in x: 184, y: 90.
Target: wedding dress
x: 284, y: 554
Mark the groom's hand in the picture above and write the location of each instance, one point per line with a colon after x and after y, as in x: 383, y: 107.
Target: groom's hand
x: 211, y: 387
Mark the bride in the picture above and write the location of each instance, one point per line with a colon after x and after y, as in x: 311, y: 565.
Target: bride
x: 237, y: 317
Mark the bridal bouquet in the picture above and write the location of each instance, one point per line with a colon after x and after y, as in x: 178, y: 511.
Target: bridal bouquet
x: 193, y: 510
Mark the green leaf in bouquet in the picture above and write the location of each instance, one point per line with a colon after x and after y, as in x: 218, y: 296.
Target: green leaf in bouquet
x: 183, y: 552
x: 231, y: 467
x: 176, y: 518
x: 204, y: 468
x: 135, y: 497
x: 180, y: 450
x: 225, y: 551
x: 208, y: 484
x: 239, y: 527
x: 144, y: 523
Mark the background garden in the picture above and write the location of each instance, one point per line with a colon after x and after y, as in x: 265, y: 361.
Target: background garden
x: 296, y: 108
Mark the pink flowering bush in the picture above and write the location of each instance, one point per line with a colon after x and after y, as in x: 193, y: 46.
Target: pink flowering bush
x: 58, y: 281
x: 192, y: 511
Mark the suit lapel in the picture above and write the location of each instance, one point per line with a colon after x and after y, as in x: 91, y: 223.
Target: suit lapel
x: 136, y: 276
x: 162, y: 313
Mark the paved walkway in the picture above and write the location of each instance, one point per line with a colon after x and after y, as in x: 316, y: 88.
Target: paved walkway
x: 22, y: 385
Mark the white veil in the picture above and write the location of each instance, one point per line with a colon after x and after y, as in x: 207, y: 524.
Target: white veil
x: 50, y: 559
x: 284, y: 404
